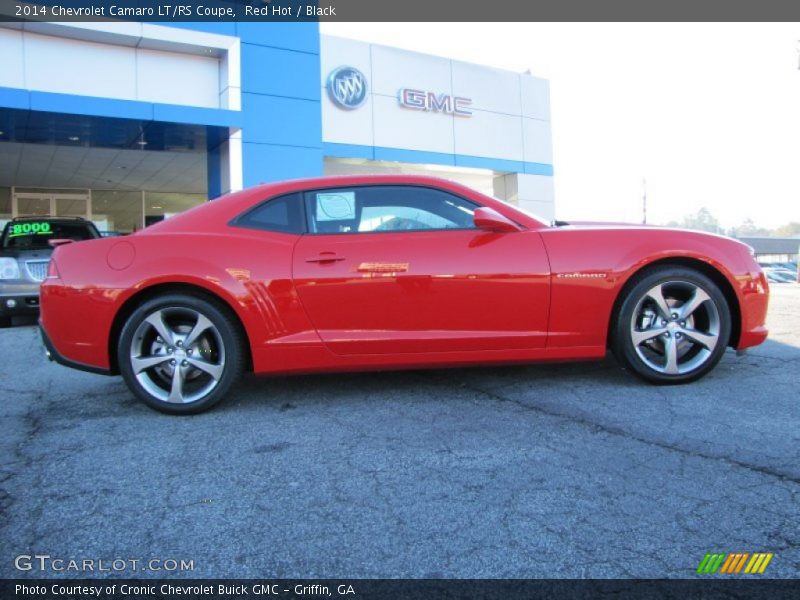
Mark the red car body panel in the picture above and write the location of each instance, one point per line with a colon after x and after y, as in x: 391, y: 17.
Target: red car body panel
x: 378, y: 300
x: 391, y: 299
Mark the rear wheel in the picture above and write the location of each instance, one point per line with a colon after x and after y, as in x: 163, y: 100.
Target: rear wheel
x: 180, y: 354
x: 673, y: 326
x: 5, y: 322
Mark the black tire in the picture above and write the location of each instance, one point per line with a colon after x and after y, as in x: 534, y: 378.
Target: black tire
x: 659, y: 347
x: 5, y: 322
x: 219, y: 350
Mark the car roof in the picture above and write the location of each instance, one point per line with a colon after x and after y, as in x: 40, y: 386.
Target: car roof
x: 368, y: 179
x: 208, y: 215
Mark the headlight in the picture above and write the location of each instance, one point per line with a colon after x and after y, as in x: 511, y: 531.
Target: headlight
x: 9, y: 269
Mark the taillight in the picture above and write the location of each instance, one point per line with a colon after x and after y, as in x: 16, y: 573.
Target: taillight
x: 52, y: 270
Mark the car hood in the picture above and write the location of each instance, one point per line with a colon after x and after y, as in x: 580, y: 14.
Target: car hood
x: 622, y: 226
x: 625, y: 228
x: 606, y: 225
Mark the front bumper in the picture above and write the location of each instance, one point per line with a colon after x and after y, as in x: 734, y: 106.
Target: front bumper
x: 754, y: 301
x: 19, y: 303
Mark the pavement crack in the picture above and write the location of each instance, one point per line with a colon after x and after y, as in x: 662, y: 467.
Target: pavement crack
x: 619, y: 432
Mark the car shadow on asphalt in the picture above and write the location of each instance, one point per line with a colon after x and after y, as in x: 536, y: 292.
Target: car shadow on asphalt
x: 595, y: 379
x: 601, y: 378
x: 332, y: 387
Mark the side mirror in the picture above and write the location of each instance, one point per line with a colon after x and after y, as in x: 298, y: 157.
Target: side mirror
x: 59, y: 242
x: 489, y: 219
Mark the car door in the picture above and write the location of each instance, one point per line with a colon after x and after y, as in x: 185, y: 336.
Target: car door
x: 403, y: 269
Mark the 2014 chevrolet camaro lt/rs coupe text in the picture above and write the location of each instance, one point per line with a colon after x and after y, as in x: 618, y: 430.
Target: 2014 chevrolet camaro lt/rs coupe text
x: 383, y: 272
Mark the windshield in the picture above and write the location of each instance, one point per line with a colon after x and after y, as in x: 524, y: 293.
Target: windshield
x: 33, y: 235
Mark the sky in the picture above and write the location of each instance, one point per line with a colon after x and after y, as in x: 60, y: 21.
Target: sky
x: 707, y: 114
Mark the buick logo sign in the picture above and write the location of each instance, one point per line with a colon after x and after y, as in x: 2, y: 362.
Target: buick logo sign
x: 347, y: 87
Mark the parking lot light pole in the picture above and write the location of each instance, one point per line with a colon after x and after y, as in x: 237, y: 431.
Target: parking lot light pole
x: 644, y: 201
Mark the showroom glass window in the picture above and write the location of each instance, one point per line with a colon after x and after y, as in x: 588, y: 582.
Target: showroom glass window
x: 163, y: 205
x: 283, y: 214
x: 5, y: 205
x: 377, y: 209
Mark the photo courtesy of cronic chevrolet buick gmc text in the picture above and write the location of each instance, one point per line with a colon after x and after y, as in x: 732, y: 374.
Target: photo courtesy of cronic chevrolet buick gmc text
x: 388, y: 272
x: 24, y: 255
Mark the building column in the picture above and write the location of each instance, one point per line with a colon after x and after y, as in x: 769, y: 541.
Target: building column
x: 281, y: 107
x: 224, y: 164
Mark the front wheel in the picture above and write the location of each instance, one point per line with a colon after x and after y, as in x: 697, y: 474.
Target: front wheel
x: 673, y: 326
x: 180, y: 354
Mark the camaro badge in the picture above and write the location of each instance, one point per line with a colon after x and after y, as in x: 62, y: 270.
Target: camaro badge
x: 581, y: 275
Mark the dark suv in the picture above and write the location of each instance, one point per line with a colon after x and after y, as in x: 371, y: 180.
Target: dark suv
x: 25, y: 254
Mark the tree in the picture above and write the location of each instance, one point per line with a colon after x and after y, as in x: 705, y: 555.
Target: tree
x: 702, y: 220
x: 749, y: 229
x: 791, y: 229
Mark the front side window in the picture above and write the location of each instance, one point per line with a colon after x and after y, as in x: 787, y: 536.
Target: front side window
x: 386, y: 208
x: 283, y: 214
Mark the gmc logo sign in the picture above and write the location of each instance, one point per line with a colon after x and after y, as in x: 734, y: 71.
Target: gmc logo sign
x: 432, y: 102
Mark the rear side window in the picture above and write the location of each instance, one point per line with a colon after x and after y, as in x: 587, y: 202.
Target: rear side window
x: 34, y: 234
x: 283, y: 214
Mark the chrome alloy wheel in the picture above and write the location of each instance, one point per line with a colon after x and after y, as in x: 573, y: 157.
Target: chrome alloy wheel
x: 177, y: 355
x: 675, y: 327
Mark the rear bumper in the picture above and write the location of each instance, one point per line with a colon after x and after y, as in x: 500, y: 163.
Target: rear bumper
x: 54, y: 355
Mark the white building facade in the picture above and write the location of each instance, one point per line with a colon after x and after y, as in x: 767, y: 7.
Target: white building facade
x: 485, y: 127
x: 128, y: 123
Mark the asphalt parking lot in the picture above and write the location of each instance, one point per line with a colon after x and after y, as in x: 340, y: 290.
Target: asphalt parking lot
x: 573, y: 470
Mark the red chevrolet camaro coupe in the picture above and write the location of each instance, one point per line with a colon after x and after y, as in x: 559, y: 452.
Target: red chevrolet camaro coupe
x: 384, y: 272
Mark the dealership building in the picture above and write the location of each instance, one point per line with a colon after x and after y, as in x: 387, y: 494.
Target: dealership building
x: 129, y: 123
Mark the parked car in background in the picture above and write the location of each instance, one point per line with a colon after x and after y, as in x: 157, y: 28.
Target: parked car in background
x: 24, y: 255
x: 780, y: 272
x: 778, y: 275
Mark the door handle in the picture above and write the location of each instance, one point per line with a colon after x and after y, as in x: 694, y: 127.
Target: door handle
x: 325, y: 257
